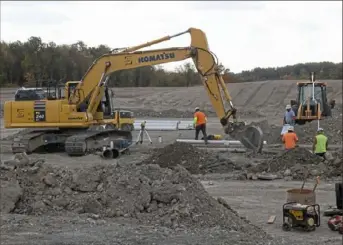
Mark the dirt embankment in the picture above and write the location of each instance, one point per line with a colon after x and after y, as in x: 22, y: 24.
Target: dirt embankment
x: 252, y: 99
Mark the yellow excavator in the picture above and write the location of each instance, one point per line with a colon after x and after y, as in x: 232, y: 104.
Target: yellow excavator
x: 83, y: 121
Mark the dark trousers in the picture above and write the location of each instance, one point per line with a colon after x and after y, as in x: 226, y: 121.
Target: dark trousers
x: 322, y: 154
x: 202, y: 128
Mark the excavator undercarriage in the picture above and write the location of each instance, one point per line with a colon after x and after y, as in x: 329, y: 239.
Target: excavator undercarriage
x: 75, y: 142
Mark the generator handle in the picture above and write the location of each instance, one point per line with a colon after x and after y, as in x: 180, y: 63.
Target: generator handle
x: 318, y: 214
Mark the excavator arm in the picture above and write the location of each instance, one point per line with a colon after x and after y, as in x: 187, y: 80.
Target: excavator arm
x: 93, y: 82
x: 91, y: 87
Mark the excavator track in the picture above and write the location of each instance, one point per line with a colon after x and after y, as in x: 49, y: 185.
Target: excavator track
x: 73, y: 142
x: 37, y: 139
x: 93, y: 140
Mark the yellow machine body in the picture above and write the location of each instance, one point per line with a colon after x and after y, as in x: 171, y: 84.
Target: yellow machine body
x: 88, y: 103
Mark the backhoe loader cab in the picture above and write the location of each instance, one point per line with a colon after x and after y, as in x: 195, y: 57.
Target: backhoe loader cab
x: 311, y: 102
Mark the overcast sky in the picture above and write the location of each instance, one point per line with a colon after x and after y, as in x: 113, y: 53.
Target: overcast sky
x: 243, y: 35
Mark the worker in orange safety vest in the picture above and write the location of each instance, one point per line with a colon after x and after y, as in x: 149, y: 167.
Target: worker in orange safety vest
x: 290, y: 139
x: 199, y: 122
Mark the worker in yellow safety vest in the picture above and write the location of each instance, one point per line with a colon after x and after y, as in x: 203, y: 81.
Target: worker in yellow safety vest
x: 320, y: 143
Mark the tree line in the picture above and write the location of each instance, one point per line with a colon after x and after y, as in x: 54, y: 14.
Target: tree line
x: 22, y: 63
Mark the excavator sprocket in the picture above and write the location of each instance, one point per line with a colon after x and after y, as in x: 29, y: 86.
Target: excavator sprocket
x: 250, y: 136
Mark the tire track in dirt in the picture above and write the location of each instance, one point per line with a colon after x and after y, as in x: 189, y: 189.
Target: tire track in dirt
x: 246, y: 95
x: 287, y: 93
x: 238, y: 98
x: 254, y: 93
x: 266, y: 98
x: 274, y: 99
x: 234, y: 89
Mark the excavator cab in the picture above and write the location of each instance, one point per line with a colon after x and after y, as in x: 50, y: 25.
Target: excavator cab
x: 123, y: 120
x: 311, y: 102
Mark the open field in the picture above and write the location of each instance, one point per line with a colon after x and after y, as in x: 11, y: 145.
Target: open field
x: 88, y: 200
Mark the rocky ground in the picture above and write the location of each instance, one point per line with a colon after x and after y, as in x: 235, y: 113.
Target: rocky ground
x: 172, y: 193
x: 156, y: 202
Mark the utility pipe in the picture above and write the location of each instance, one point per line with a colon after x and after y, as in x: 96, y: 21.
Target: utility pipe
x: 225, y: 142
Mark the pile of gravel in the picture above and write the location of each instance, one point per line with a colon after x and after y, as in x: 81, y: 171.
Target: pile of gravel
x: 149, y: 194
x: 295, y: 163
x: 196, y: 161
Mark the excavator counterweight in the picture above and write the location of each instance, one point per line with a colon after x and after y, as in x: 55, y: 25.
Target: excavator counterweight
x: 84, y: 119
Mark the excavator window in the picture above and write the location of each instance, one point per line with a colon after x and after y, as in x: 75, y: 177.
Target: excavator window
x: 126, y: 114
x: 27, y: 94
x: 71, y: 88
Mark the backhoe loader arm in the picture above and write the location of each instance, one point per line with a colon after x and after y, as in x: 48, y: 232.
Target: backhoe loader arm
x: 91, y: 86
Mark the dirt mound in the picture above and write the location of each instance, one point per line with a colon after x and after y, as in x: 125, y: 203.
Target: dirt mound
x: 196, y: 161
x: 294, y: 163
x: 332, y: 128
x: 148, y: 193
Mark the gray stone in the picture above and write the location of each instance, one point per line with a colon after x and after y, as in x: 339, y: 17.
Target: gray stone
x: 49, y: 180
x: 10, y: 195
x: 287, y: 172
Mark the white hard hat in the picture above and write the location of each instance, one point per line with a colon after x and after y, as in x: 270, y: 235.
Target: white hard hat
x: 320, y: 129
x: 196, y: 108
x: 288, y: 107
x: 291, y: 128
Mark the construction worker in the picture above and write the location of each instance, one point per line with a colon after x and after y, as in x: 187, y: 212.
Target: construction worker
x: 289, y: 117
x: 320, y: 143
x: 199, y: 123
x: 290, y: 139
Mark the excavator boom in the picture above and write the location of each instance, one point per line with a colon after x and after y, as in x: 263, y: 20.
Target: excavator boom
x: 204, y: 61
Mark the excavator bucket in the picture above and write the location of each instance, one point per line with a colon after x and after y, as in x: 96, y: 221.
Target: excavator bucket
x: 250, y: 136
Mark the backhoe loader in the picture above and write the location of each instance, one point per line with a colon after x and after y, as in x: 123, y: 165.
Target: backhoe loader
x: 83, y: 121
x: 311, y: 102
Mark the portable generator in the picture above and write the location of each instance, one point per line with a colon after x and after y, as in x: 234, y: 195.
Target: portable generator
x: 295, y: 215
